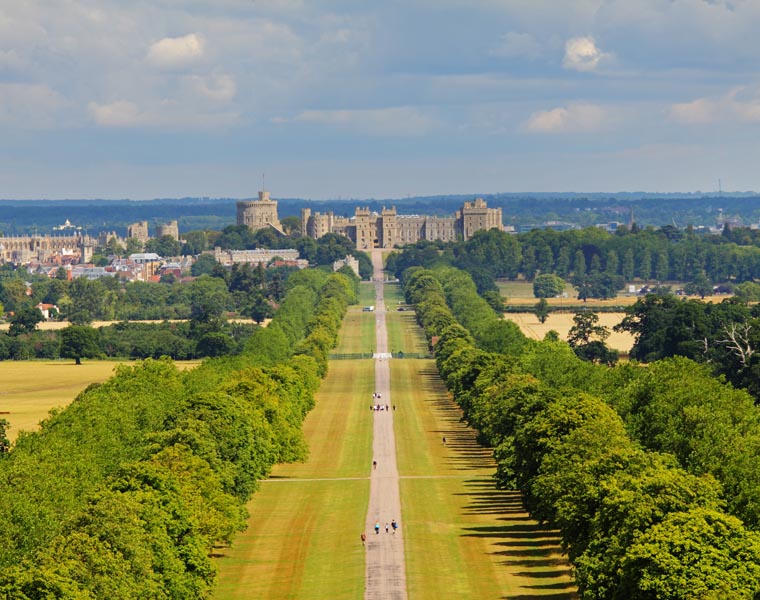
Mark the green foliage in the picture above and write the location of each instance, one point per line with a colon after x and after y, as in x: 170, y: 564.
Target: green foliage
x: 541, y: 310
x: 548, y: 285
x: 25, y: 320
x: 203, y: 265
x: 619, y: 509
x: 124, y: 493
x: 78, y: 342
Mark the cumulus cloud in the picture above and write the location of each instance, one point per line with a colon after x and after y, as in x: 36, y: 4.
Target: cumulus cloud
x: 170, y: 53
x: 740, y: 105
x: 29, y: 105
x: 162, y: 114
x: 121, y: 113
x: 582, y: 54
x: 220, y: 87
x: 576, y: 118
x: 399, y: 121
x: 514, y: 45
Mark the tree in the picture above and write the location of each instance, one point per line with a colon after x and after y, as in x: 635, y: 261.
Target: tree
x: 203, y: 265
x: 5, y: 444
x: 700, y: 286
x: 166, y: 245
x: 291, y: 225
x: 587, y: 339
x: 697, y: 554
x: 548, y: 285
x: 541, y: 310
x: 78, y: 342
x: 25, y: 320
x: 260, y: 309
x: 133, y: 245
x: 195, y: 242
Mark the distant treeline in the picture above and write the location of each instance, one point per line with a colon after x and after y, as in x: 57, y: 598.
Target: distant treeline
x: 594, y: 255
x: 123, y: 494
x: 520, y: 209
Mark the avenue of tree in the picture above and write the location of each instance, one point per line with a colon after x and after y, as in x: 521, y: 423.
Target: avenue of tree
x: 652, y: 475
x: 123, y: 494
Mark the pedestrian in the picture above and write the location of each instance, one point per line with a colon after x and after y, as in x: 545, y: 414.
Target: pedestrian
x: 374, y: 464
x: 394, y: 525
x: 394, y: 407
x: 386, y: 528
x: 386, y: 407
x: 364, y: 538
x: 377, y: 526
x: 444, y: 440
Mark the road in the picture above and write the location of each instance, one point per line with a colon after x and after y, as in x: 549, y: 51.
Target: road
x: 386, y: 572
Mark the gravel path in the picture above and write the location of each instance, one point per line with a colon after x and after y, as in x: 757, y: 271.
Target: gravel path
x: 386, y: 571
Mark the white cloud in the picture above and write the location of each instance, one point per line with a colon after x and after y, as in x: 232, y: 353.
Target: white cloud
x: 220, y: 87
x: 582, y: 54
x: 400, y: 121
x: 170, y: 53
x: 165, y: 114
x: 513, y: 45
x: 576, y: 118
x: 739, y: 105
x: 27, y: 105
x: 121, y: 113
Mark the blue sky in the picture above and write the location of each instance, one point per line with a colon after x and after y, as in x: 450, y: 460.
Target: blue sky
x: 376, y: 98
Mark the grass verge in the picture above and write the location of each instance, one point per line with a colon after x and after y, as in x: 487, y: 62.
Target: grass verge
x: 304, y: 526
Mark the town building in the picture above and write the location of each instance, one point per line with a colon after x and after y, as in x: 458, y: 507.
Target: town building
x: 258, y: 256
x: 58, y: 249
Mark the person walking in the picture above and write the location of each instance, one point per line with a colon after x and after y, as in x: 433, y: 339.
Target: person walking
x: 364, y: 538
x: 377, y: 526
x: 374, y: 465
x: 386, y: 528
x: 394, y: 525
x: 444, y: 440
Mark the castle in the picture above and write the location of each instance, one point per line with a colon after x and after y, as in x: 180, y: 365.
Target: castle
x: 368, y: 229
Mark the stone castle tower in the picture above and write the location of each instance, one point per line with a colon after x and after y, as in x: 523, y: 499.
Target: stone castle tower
x: 171, y: 229
x: 257, y: 214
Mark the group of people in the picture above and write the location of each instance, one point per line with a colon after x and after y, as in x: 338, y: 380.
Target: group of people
x: 378, y: 406
x: 393, y: 526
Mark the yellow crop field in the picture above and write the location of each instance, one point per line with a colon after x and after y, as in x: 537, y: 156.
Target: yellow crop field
x: 562, y: 322
x: 29, y: 389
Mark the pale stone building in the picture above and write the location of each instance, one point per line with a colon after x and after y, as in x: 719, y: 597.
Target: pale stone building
x: 171, y: 229
x: 24, y: 249
x: 258, y: 214
x: 387, y: 229
x: 138, y: 231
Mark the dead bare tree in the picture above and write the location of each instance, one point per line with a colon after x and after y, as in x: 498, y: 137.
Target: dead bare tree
x: 738, y: 341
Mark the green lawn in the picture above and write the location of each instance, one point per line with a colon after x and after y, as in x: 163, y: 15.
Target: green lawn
x: 304, y: 526
x: 403, y: 331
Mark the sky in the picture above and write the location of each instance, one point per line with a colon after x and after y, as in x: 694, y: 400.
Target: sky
x: 376, y: 98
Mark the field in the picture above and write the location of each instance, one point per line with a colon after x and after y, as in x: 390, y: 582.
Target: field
x: 31, y: 388
x: 561, y: 322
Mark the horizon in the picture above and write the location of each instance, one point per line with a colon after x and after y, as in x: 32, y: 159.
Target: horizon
x: 634, y: 195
